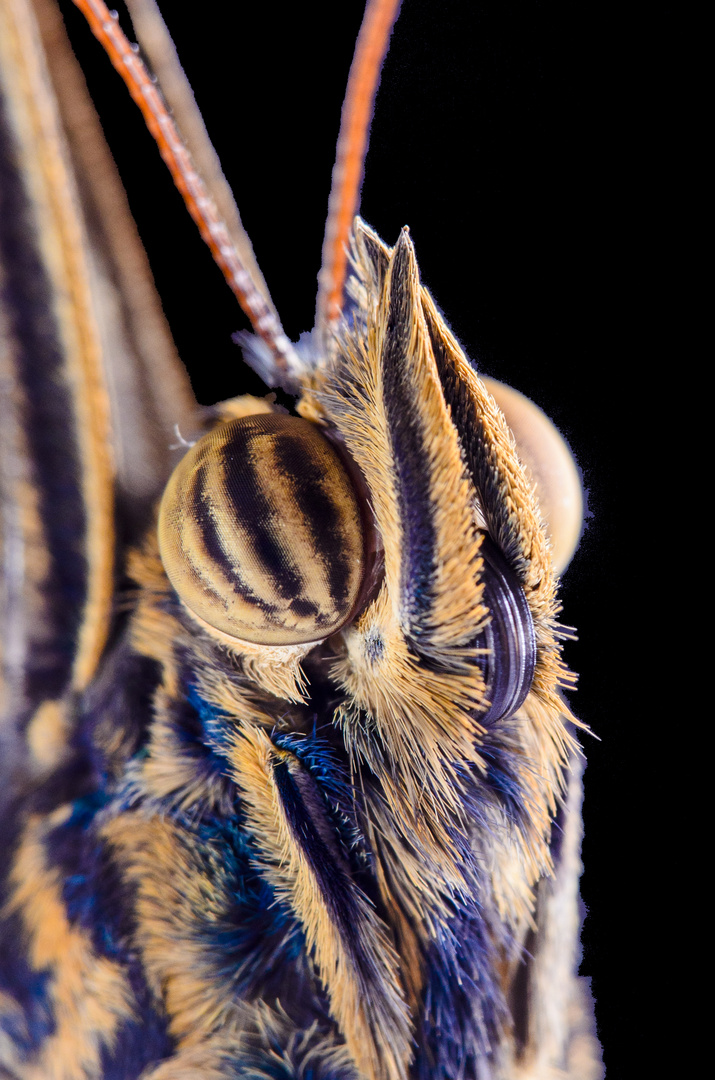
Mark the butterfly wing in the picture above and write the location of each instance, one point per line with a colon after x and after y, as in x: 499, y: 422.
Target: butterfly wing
x: 92, y: 386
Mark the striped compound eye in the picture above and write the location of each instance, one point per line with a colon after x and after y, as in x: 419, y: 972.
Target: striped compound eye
x: 261, y: 534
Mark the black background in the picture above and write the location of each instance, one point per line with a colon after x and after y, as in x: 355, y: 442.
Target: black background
x: 495, y: 139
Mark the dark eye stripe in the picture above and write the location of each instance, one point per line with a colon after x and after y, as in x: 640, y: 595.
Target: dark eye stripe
x: 261, y: 533
x: 233, y: 549
x: 248, y: 508
x: 212, y: 551
x: 322, y: 518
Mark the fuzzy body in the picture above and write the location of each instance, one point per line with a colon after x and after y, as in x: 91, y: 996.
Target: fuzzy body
x: 200, y: 843
x: 221, y: 862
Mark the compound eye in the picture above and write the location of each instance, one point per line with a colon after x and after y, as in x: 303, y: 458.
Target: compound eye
x: 550, y: 467
x: 261, y: 534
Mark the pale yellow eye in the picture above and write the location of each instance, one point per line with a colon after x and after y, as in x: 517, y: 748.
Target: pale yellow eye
x: 551, y: 468
x: 261, y: 534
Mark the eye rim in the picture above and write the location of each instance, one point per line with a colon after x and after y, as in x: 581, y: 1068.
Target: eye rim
x: 243, y: 647
x: 346, y: 490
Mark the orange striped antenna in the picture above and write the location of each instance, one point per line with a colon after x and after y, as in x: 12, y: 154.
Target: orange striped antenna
x: 143, y: 89
x: 363, y: 80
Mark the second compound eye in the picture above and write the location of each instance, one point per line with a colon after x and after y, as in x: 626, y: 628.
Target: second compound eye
x: 261, y: 534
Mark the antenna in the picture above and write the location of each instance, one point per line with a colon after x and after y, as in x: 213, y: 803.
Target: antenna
x: 370, y: 50
x: 249, y: 292
x: 231, y: 248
